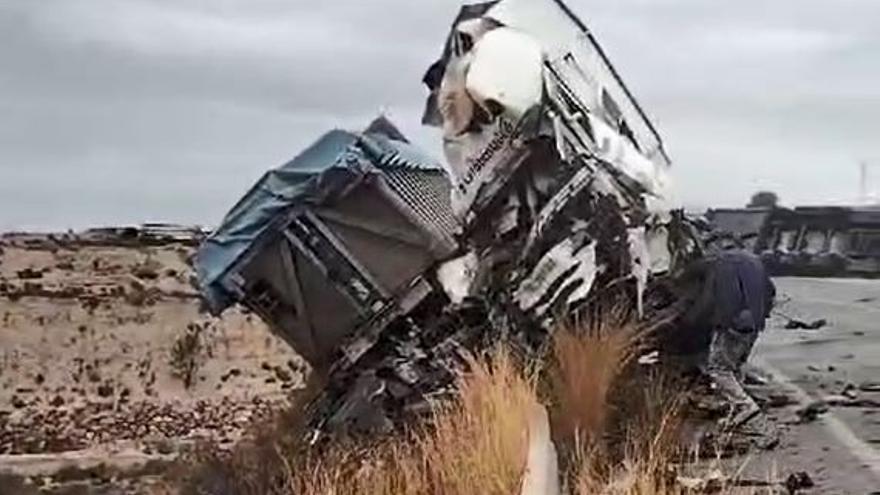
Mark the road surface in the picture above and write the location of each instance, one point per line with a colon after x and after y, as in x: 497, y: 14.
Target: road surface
x: 840, y: 448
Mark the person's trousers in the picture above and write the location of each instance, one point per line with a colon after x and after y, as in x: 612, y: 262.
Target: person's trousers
x: 729, y: 350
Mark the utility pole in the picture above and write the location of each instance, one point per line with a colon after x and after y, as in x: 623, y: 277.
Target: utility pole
x: 863, y: 182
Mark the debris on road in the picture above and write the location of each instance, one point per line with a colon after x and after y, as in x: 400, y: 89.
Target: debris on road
x: 812, y: 411
x: 794, y: 324
x: 716, y: 481
x: 870, y: 387
x: 779, y: 400
x: 847, y: 401
x: 819, y: 407
x: 713, y: 482
x: 798, y: 481
x: 850, y: 391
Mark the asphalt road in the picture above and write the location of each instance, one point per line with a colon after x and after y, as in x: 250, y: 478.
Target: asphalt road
x: 841, y: 448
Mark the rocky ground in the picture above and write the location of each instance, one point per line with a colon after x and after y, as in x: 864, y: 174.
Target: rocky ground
x: 88, y: 331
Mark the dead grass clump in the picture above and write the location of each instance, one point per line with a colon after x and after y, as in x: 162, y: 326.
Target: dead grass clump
x: 617, y: 427
x: 479, y: 442
x: 585, y: 365
x: 639, y: 458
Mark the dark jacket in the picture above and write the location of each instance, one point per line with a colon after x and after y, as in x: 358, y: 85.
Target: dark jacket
x: 737, y: 293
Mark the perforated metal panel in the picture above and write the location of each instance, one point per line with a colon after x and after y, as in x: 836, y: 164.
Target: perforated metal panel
x: 427, y: 193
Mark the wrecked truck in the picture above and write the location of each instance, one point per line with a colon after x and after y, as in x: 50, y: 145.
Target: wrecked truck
x: 384, y: 267
x: 334, y: 245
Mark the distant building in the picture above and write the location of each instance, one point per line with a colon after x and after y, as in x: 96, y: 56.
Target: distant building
x: 750, y: 225
x: 814, y: 240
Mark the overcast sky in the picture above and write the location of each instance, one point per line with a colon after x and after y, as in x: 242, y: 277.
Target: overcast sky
x: 123, y: 111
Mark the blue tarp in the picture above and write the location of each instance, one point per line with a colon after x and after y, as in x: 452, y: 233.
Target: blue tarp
x: 305, y: 179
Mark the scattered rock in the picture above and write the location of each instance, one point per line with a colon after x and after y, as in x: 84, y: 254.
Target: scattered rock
x: 812, y: 411
x: 145, y: 271
x: 29, y: 274
x: 44, y: 417
x: 90, y: 303
x: 87, y: 424
x: 165, y: 447
x: 106, y: 390
x: 32, y: 289
x: 229, y: 374
x: 294, y: 367
x: 140, y: 295
x: 65, y: 265
x: 283, y: 375
x: 798, y: 481
x: 93, y: 375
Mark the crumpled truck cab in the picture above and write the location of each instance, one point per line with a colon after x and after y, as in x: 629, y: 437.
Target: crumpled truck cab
x: 559, y: 178
x: 334, y: 245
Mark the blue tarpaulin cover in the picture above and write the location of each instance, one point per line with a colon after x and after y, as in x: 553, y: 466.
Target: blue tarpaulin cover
x: 336, y: 158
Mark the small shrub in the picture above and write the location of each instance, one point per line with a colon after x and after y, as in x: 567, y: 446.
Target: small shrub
x: 187, y: 354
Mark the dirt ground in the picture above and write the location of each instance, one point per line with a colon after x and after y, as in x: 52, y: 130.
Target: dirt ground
x: 87, y: 328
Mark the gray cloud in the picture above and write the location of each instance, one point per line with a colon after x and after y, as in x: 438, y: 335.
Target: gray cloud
x: 122, y: 111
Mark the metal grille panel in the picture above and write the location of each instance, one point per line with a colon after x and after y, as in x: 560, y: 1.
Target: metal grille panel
x: 427, y: 193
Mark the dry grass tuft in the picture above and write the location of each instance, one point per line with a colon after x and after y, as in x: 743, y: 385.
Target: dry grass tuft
x: 650, y: 447
x: 479, y: 442
x: 586, y: 364
x: 618, y: 429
